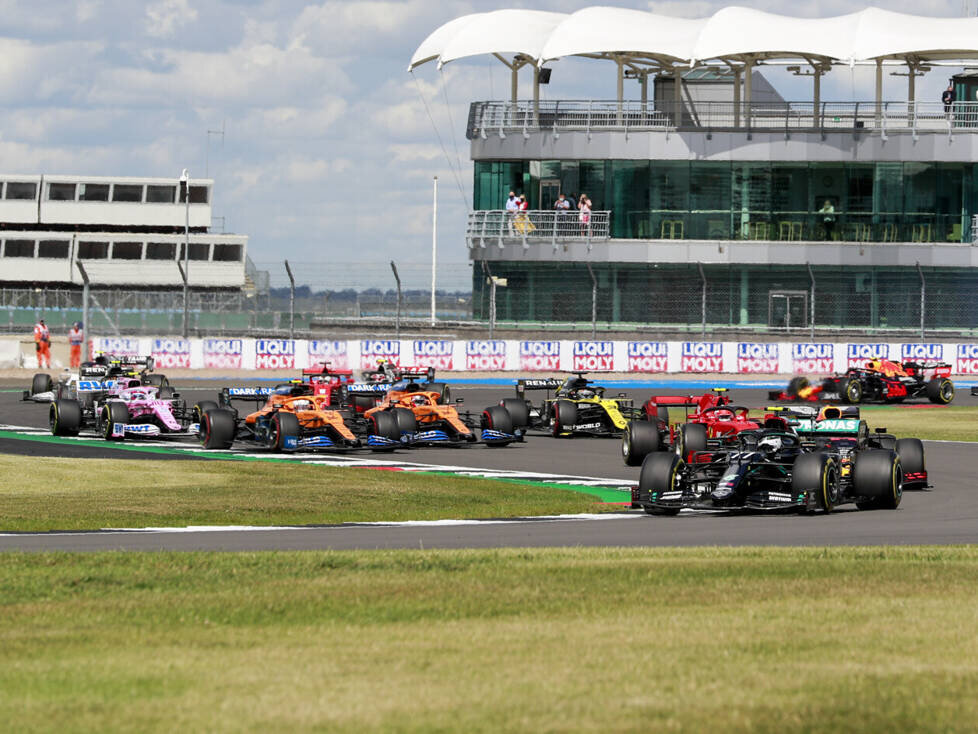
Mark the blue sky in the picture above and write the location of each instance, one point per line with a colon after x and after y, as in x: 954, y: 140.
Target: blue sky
x: 328, y: 152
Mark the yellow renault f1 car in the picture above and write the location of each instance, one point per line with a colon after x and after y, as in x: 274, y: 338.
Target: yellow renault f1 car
x: 573, y: 406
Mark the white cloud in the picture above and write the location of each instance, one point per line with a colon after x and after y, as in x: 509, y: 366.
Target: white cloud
x: 165, y: 17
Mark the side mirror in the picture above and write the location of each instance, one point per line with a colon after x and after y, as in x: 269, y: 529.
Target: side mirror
x: 459, y: 400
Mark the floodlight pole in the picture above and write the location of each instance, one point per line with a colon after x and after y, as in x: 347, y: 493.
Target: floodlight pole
x: 594, y: 302
x: 185, y: 272
x: 397, y: 318
x: 434, y: 244
x: 703, y: 303
x: 923, y: 296
x: 291, y: 300
x: 811, y: 276
x: 492, y: 306
x: 85, y: 282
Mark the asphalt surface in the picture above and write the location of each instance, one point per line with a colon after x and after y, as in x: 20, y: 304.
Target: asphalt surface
x: 947, y: 514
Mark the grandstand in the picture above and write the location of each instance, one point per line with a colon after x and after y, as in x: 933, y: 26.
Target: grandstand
x: 123, y: 232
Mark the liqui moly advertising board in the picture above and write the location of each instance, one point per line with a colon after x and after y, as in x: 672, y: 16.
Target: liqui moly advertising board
x: 485, y: 354
x: 702, y: 357
x: 967, y: 359
x: 123, y: 346
x: 540, y: 356
x: 757, y: 358
x: 274, y: 354
x: 648, y: 357
x: 171, y: 353
x: 222, y: 353
x: 435, y: 353
x: 857, y: 355
x: 594, y: 356
x: 922, y: 352
x: 812, y: 358
x: 373, y: 349
x: 326, y: 350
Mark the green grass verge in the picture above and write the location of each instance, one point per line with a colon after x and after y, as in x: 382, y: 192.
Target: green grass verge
x: 69, y: 494
x: 594, y: 640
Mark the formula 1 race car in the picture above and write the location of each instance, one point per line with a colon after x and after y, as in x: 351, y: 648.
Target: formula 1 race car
x: 714, y: 421
x: 126, y: 409
x: 99, y: 375
x: 576, y: 407
x: 289, y: 417
x: 824, y: 460
x: 880, y: 381
x: 423, y: 418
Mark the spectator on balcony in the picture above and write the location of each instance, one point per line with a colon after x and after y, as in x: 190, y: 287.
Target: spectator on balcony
x: 512, y: 207
x: 949, y: 97
x: 522, y: 223
x: 562, y: 208
x: 827, y: 213
x: 584, y: 209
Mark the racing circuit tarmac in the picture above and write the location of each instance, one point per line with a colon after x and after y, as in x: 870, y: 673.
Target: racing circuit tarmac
x: 948, y: 514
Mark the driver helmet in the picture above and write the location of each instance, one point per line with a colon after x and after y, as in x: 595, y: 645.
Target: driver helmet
x: 770, y: 444
x: 381, y: 360
x: 419, y: 400
x: 585, y: 393
x: 302, y: 405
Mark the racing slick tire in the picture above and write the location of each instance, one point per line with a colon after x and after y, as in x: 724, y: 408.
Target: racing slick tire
x: 911, y: 453
x: 662, y: 414
x: 65, y: 417
x: 940, y: 390
x: 795, y: 386
x: 660, y: 473
x: 443, y: 390
x: 497, y: 418
x: 406, y: 422
x: 817, y: 474
x: 877, y: 479
x: 41, y: 383
x: 640, y: 439
x: 217, y: 429
x: 204, y: 406
x: 362, y: 403
x: 518, y: 410
x: 852, y: 391
x: 564, y: 414
x: 690, y: 437
x: 385, y: 426
x: 282, y: 426
x: 112, y: 412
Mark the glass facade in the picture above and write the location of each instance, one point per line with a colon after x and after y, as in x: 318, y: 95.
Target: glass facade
x: 856, y: 202
x: 739, y: 295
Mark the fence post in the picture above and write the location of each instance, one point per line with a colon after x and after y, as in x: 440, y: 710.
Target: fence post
x: 85, y: 324
x: 923, y: 296
x: 492, y: 306
x: 291, y: 301
x: 594, y: 302
x: 811, y: 276
x: 397, y: 317
x: 703, y: 302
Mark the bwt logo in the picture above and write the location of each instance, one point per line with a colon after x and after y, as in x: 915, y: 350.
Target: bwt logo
x: 702, y: 357
x: 116, y: 345
x: 757, y: 358
x: 435, y: 353
x: 485, y: 355
x: 372, y: 349
x: 540, y: 355
x: 594, y: 356
x: 648, y: 357
x: 813, y: 357
x: 222, y: 353
x: 274, y: 354
x: 967, y: 362
x: 857, y: 354
x: 170, y: 353
x: 922, y: 351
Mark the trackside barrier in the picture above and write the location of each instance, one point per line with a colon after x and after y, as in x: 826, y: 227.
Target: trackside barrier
x: 538, y: 355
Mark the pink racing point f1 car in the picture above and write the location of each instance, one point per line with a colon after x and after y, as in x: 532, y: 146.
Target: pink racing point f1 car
x: 129, y: 410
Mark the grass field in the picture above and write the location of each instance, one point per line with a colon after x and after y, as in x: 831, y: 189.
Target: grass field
x: 68, y: 494
x: 606, y: 640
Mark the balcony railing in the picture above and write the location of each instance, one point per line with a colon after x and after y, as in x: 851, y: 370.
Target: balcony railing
x: 889, y: 118
x: 500, y: 227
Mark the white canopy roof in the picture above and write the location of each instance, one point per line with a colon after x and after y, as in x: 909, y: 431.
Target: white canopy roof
x: 732, y: 33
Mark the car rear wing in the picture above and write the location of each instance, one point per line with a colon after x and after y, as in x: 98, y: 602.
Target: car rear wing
x: 325, y: 370
x: 368, y: 388
x: 675, y: 401
x: 414, y: 373
x: 244, y: 393
x: 534, y: 383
